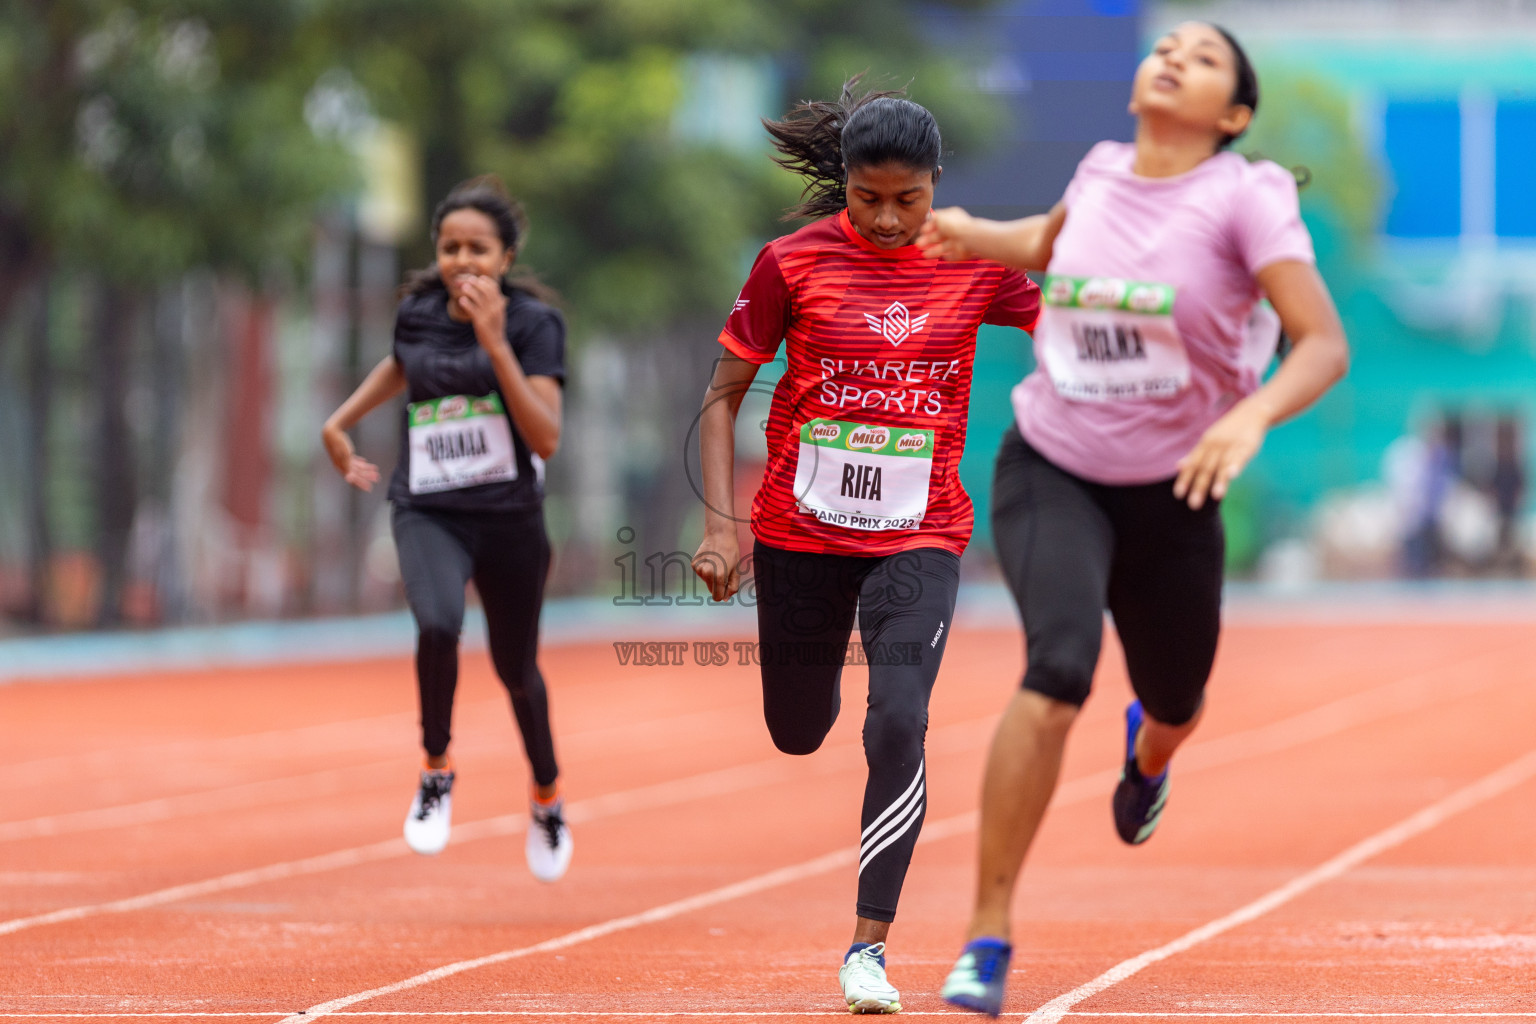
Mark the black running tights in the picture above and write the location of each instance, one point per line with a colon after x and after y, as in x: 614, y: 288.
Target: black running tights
x: 1070, y: 548
x: 805, y: 611
x: 507, y: 556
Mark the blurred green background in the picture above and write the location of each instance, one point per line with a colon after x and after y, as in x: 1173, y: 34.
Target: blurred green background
x: 206, y: 207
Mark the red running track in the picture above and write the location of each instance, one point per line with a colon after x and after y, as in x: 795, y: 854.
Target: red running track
x: 224, y: 846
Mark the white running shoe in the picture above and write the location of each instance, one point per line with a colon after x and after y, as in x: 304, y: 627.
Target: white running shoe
x: 549, y: 841
x: 426, y: 827
x: 864, y: 985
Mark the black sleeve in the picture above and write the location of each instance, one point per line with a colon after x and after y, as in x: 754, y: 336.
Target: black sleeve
x: 400, y: 327
x: 540, y: 345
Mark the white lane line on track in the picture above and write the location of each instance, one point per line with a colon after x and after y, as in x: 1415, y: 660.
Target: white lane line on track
x: 367, y: 733
x: 760, y: 883
x: 1400, y: 696
x: 1489, y: 786
x: 298, y: 741
x: 145, y: 812
x: 662, y: 794
x: 756, y: 1014
x: 270, y: 791
x: 1331, y: 718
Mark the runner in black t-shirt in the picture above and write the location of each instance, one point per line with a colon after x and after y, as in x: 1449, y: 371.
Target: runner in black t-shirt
x: 482, y: 362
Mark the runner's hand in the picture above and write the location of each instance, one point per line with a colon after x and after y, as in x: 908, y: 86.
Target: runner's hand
x: 718, y: 563
x: 354, y: 469
x: 1221, y: 454
x: 940, y: 234
x: 487, y: 308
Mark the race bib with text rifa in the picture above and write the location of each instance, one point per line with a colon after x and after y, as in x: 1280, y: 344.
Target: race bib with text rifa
x: 864, y: 476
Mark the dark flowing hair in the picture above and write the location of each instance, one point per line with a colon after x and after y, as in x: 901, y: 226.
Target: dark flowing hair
x: 489, y: 196
x: 1246, y: 92
x: 820, y: 141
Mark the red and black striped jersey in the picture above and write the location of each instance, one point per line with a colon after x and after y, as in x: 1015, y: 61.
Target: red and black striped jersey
x: 867, y: 425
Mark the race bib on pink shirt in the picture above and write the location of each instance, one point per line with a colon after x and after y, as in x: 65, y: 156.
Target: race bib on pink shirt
x: 1105, y: 339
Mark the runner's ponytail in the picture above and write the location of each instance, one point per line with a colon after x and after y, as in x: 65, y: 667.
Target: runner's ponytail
x: 820, y: 141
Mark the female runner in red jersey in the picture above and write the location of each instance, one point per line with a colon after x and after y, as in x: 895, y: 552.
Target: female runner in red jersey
x: 861, y: 508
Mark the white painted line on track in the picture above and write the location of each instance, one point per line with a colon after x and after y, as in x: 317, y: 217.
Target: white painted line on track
x: 237, y: 880
x: 225, y: 798
x: 348, y: 734
x: 1495, y: 784
x: 1401, y: 696
x: 663, y: 794
x: 1408, y: 694
x: 771, y: 880
x: 270, y: 791
x: 757, y: 1014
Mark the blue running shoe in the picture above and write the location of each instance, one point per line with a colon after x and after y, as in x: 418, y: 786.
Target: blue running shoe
x: 1139, y: 801
x: 980, y: 977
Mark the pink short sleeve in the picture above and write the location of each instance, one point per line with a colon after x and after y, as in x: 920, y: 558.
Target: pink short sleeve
x: 1266, y: 224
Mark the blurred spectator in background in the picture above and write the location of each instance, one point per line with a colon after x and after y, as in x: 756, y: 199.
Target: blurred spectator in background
x: 1418, y: 471
x: 1508, y: 488
x: 1456, y: 491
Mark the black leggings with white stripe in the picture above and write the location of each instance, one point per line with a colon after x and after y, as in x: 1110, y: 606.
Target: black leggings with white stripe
x: 805, y: 611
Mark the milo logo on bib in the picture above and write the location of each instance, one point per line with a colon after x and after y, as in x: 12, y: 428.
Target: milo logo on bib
x: 1109, y: 293
x: 871, y: 438
x: 1104, y: 339
x: 459, y: 441
x: 864, y: 476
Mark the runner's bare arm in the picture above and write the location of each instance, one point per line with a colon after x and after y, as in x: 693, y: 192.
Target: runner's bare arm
x: 1024, y: 244
x: 717, y: 561
x: 384, y: 381
x: 534, y: 403
x: 1319, y: 357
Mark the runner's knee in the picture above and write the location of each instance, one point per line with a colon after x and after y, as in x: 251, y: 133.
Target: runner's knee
x: 895, y: 734
x: 1065, y: 676
x: 437, y: 635
x: 1170, y: 706
x: 796, y: 736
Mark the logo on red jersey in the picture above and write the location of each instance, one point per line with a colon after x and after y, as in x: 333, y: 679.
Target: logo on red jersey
x: 896, y: 325
x: 741, y: 304
x: 826, y: 432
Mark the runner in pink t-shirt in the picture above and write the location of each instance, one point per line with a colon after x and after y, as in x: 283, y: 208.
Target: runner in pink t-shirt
x: 1146, y: 404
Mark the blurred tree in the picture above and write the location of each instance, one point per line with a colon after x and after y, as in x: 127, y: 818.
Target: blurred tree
x: 1306, y: 122
x: 143, y: 138
x: 629, y: 129
x: 591, y: 110
x: 139, y: 140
